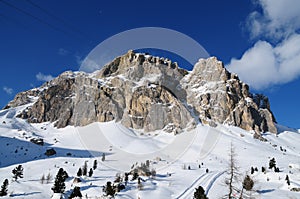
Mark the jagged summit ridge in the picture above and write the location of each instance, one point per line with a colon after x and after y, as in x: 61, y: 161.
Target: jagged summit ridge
x: 219, y: 96
x: 149, y: 93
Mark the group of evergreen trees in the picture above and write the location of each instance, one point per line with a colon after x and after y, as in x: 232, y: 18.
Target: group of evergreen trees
x: 17, y: 173
x: 84, y: 170
x: 59, y: 183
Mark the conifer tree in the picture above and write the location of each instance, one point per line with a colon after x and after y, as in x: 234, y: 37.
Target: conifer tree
x: 75, y: 193
x: 272, y: 163
x: 95, y: 164
x: 48, y: 178
x: 59, y: 183
x: 109, y: 189
x: 17, y: 172
x: 3, y: 191
x: 248, y: 184
x: 90, y: 172
x: 252, y: 170
x: 84, y: 169
x: 79, y: 172
x: 43, y: 179
x: 126, y: 178
x: 287, y: 180
x: 200, y: 193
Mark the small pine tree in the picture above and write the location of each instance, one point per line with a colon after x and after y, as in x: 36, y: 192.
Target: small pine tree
x: 95, y: 164
x: 75, y: 193
x: 17, y: 172
x: 252, y: 170
x: 59, y: 183
x: 3, y: 191
x: 135, y: 176
x: 79, y: 172
x: 103, y: 157
x: 48, y: 178
x: 109, y: 191
x: 43, y: 179
x: 272, y: 163
x: 148, y: 163
x: 287, y: 180
x: 263, y: 169
x: 248, y: 183
x: 84, y: 169
x: 90, y: 172
x: 200, y: 193
x: 126, y: 178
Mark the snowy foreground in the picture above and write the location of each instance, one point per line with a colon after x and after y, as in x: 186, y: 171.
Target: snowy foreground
x: 176, y: 159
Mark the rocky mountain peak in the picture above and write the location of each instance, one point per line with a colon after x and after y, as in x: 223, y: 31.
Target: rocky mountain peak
x: 150, y: 93
x: 122, y: 64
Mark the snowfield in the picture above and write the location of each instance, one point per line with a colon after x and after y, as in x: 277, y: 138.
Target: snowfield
x: 182, y: 162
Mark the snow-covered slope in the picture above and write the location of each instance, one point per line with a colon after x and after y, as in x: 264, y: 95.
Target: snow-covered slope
x: 180, y: 161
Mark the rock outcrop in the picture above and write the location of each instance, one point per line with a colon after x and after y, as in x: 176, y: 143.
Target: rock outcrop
x: 149, y: 93
x: 220, y: 97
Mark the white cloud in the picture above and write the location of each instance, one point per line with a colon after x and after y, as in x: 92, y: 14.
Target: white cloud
x: 279, y: 19
x: 63, y: 52
x: 42, y: 77
x: 8, y: 90
x: 264, y: 64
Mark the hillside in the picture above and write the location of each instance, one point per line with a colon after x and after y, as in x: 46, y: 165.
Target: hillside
x: 140, y: 108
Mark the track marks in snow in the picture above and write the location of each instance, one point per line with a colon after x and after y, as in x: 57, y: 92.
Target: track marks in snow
x: 206, y: 180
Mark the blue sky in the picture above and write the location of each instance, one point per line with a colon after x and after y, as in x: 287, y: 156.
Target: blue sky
x: 41, y: 39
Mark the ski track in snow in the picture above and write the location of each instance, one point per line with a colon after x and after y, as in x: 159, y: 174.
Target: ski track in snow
x: 209, y: 146
x: 206, y: 180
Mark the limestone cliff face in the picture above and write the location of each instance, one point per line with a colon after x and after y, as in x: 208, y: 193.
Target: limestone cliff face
x: 220, y: 97
x: 149, y: 93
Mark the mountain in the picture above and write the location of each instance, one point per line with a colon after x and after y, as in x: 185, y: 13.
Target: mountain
x: 149, y: 93
x: 119, y: 116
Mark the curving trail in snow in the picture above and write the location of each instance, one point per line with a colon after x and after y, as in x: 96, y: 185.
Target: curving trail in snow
x: 206, y: 180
